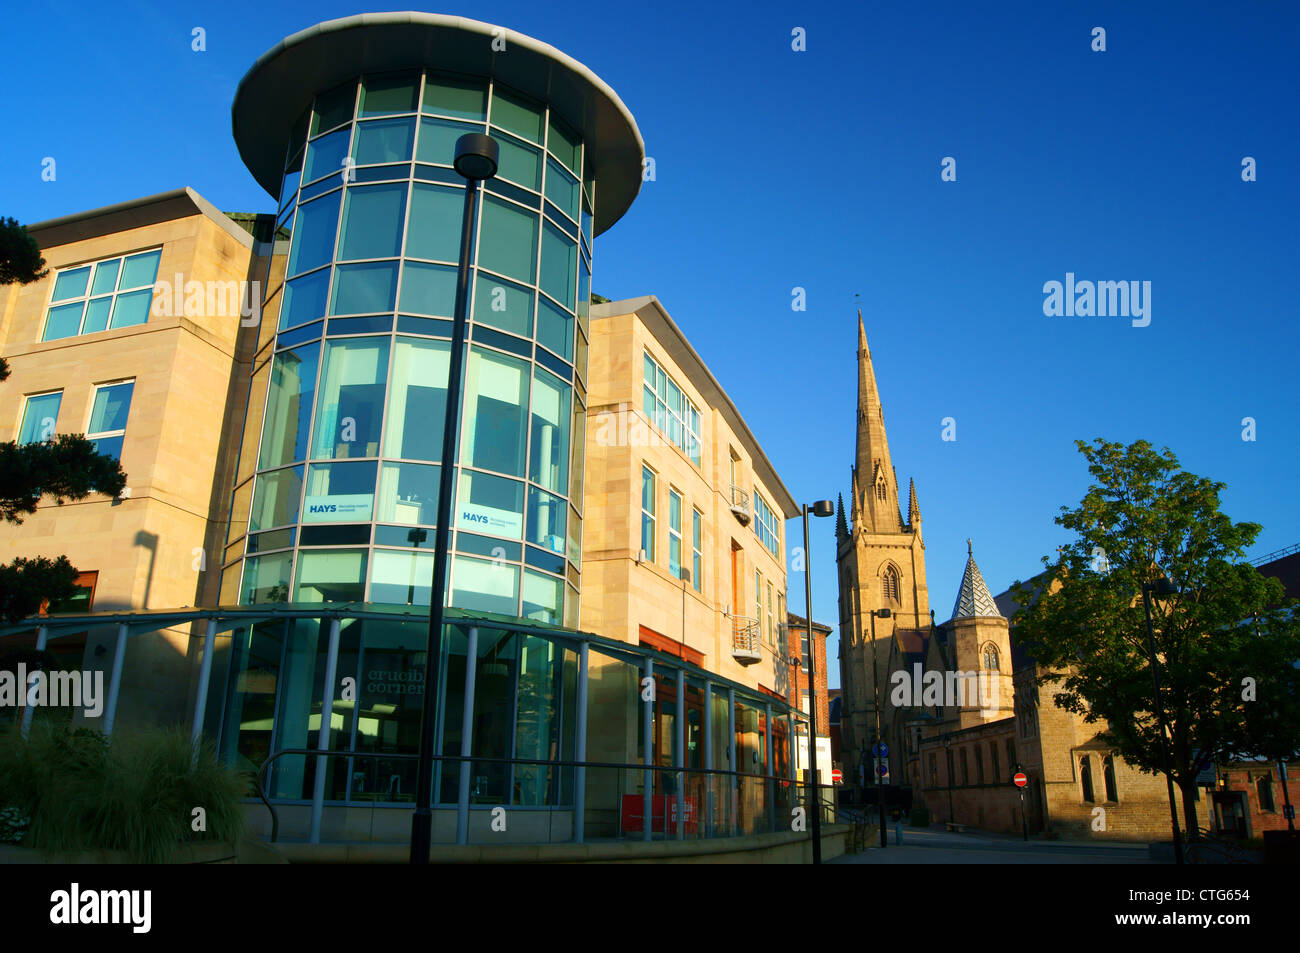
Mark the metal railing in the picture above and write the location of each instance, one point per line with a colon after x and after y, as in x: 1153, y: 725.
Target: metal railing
x: 740, y: 504
x: 746, y: 640
x: 719, y: 809
x: 1276, y: 554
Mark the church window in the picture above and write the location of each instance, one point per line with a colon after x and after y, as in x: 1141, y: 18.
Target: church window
x: 993, y: 755
x: 880, y: 490
x: 934, y: 771
x: 889, y: 584
x: 979, y: 765
x: 1085, y: 777
x: 1108, y: 775
x: 991, y: 657
x: 965, y: 768
x: 1011, y: 754
x: 1264, y: 790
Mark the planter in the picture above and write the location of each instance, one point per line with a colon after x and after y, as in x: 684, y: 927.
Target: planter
x: 247, y: 851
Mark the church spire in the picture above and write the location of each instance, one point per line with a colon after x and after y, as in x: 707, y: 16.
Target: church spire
x: 973, y: 597
x: 877, y: 482
x: 913, y: 507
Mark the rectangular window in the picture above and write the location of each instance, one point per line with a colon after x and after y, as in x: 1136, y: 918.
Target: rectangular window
x: 697, y: 551
x: 675, y: 533
x: 40, y: 414
x: 671, y: 411
x: 758, y: 599
x: 648, y: 513
x: 805, y: 650
x: 771, y: 628
x: 766, y: 526
x: 993, y: 754
x: 108, y: 413
x: 113, y: 293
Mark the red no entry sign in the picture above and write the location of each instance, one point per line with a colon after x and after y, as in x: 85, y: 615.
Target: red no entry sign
x: 837, y: 776
x: 1020, y: 779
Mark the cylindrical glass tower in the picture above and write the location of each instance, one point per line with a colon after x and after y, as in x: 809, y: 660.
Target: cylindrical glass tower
x: 351, y: 124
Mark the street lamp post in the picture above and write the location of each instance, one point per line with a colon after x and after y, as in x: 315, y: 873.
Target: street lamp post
x: 1162, y: 587
x: 876, y: 742
x: 820, y: 508
x: 476, y: 160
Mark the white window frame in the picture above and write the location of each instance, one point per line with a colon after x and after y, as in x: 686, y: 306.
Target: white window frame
x: 667, y: 419
x: 697, y: 551
x: 22, y: 413
x: 765, y: 524
x: 90, y: 412
x: 675, y: 533
x: 649, y: 515
x: 86, y: 297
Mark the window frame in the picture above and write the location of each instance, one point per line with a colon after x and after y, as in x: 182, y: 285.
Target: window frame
x: 88, y: 294
x: 22, y: 413
x: 697, y: 549
x: 649, y: 518
x: 666, y: 419
x: 90, y: 413
x: 675, y: 533
x: 765, y: 524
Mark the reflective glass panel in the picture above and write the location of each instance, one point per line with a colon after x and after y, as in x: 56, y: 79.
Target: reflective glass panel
x: 383, y: 140
x: 490, y: 504
x: 543, y: 597
x: 546, y: 518
x: 428, y: 289
x: 562, y: 189
x: 389, y: 93
x: 517, y: 115
x: 520, y: 163
x: 288, y: 408
x: 326, y: 155
x: 333, y: 108
x: 130, y: 309
x: 275, y: 500
x: 266, y: 579
x: 496, y: 407
x: 39, y: 417
x: 451, y: 96
x: 360, y: 289
x: 403, y: 579
x: 71, y: 284
x: 503, y: 305
x: 550, y: 432
x: 63, y: 321
x: 105, y: 276
x: 140, y: 271
x: 330, y: 576
x: 304, y: 299
x: 350, y: 399
x: 408, y: 493
x: 555, y: 328
x: 480, y: 584
x: 418, y: 399
x: 313, y: 233
x: 509, y: 244
x: 438, y: 139
x: 340, y: 492
x: 559, y: 263
x: 372, y: 222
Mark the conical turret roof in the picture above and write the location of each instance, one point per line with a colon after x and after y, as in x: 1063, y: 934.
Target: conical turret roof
x: 973, y: 596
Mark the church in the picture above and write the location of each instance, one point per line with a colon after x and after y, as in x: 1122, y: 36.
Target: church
x: 953, y: 708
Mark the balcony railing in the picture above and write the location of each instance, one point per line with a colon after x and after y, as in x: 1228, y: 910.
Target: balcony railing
x: 746, y: 640
x: 740, y: 505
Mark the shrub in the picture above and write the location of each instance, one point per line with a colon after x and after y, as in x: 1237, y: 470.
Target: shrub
x: 135, y: 793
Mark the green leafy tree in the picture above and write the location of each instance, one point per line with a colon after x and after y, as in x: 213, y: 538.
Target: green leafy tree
x: 65, y: 467
x: 1145, y: 518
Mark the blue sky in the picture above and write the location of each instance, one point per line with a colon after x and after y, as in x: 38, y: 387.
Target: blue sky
x: 821, y: 169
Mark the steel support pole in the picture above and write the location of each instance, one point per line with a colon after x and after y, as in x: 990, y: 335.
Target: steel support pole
x: 580, y: 748
x: 326, y: 727
x: 769, y: 786
x: 201, y: 693
x: 708, y: 758
x: 466, y: 738
x: 42, y: 637
x: 115, y: 679
x: 647, y: 740
x: 422, y: 821
x: 733, y: 787
x: 813, y: 785
x: 680, y: 760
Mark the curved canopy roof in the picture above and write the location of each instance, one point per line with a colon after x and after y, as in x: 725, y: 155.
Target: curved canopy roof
x: 283, y: 81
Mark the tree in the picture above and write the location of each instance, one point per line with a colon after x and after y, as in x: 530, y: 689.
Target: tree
x: 65, y: 467
x: 1145, y: 518
x: 20, y: 262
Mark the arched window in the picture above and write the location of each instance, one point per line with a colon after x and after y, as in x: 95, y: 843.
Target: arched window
x: 1085, y: 775
x: 991, y: 657
x: 880, y: 490
x: 1264, y: 791
x: 889, y: 584
x: 1108, y: 774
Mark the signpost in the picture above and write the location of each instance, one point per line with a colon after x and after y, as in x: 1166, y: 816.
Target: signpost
x: 837, y: 776
x: 1021, y: 781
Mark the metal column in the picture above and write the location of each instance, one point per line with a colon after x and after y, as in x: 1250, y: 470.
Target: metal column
x: 734, y: 787
x: 647, y: 740
x: 115, y: 679
x: 42, y: 636
x: 466, y: 738
x: 680, y: 760
x: 580, y: 754
x: 708, y: 758
x: 769, y: 786
x: 201, y: 694
x: 326, y: 723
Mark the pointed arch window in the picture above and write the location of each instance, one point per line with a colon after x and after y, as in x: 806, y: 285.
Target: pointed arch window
x: 991, y: 657
x: 889, y: 584
x: 1085, y: 777
x: 1108, y: 774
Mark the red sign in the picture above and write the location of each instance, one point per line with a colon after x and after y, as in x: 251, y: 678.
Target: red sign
x: 1020, y: 779
x: 634, y: 805
x: 837, y: 776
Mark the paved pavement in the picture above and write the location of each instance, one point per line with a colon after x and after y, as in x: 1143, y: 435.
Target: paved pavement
x: 938, y: 846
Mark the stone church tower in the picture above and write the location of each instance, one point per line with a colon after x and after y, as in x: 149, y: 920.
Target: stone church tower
x: 880, y: 559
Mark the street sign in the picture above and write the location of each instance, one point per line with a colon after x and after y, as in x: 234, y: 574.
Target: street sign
x: 837, y: 776
x: 1020, y: 779
x: 881, y: 750
x: 883, y: 769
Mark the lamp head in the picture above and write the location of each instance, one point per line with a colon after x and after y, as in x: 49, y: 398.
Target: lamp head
x: 1164, y: 587
x: 476, y: 156
x: 823, y: 508
x: 882, y: 613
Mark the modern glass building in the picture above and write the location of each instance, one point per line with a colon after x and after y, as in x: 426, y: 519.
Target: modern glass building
x: 351, y: 125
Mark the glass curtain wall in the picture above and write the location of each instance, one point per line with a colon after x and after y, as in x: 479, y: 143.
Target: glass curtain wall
x: 337, y: 484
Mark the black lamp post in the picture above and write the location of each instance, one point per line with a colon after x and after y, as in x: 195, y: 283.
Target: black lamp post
x: 1162, y: 587
x: 476, y: 160
x: 876, y: 738
x: 820, y: 508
